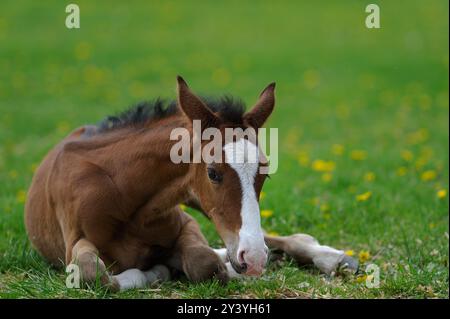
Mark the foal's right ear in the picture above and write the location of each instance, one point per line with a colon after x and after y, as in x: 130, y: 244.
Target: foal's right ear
x: 193, y: 107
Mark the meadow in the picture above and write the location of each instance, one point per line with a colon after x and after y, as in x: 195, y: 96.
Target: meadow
x: 362, y: 117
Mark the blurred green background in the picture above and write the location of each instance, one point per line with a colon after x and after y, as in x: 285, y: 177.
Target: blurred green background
x: 362, y: 117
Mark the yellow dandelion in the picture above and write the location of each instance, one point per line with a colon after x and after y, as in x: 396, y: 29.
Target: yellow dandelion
x: 33, y: 167
x: 273, y: 233
x: 342, y: 111
x: 265, y: 213
x: 183, y: 207
x: 262, y: 195
x: 21, y: 196
x: 351, y: 189
x: 363, y: 256
x: 323, y: 166
x: 93, y: 75
x: 350, y: 252
x: 62, y: 127
x: 315, y: 201
x: 401, y: 171
x: 442, y: 193
x: 221, y: 77
x: 361, y: 278
x: 418, y: 137
x: 137, y: 89
x: 363, y: 197
x: 337, y: 149
x: 311, y: 79
x: 407, y: 155
x: 83, y: 51
x: 428, y: 175
x: 327, y: 177
x: 13, y: 174
x: 358, y: 155
x: 324, y: 207
x: 303, y: 159
x: 425, y: 101
x: 421, y: 162
x: 369, y: 177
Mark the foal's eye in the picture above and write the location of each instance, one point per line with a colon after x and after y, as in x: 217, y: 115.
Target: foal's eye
x: 214, y: 176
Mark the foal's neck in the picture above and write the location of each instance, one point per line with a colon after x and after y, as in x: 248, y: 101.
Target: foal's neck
x: 140, y: 163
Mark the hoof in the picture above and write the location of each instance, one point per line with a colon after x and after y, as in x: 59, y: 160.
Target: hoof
x: 348, y: 264
x: 162, y: 273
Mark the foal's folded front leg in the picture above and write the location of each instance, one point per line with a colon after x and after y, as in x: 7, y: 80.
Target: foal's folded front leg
x: 305, y: 249
x: 92, y: 268
x: 193, y: 256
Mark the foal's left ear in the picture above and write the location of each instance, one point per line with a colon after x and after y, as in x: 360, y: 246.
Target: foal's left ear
x: 258, y: 115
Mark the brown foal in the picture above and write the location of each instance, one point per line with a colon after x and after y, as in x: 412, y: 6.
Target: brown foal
x: 107, y: 199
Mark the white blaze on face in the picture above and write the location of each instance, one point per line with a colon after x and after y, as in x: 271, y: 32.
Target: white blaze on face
x: 243, y: 157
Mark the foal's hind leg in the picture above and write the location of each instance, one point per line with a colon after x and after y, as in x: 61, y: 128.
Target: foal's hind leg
x: 136, y: 278
x: 305, y: 249
x: 194, y: 257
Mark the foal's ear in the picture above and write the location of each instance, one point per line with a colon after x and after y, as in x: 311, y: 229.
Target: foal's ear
x: 258, y: 115
x: 193, y: 107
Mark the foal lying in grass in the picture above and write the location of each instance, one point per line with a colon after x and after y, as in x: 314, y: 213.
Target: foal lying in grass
x: 107, y: 198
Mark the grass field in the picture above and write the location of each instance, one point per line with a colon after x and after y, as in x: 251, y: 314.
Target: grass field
x: 362, y: 117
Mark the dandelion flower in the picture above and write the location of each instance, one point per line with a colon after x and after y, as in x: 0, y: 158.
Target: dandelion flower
x: 337, y: 149
x: 323, y: 166
x: 363, y: 197
x: 363, y: 256
x: 273, y: 233
x: 428, y: 175
x: 303, y: 159
x: 183, y: 207
x: 327, y: 177
x: 21, y: 196
x: 358, y: 155
x: 407, y: 155
x: 311, y: 79
x: 350, y: 253
x: 265, y: 213
x: 418, y: 137
x: 324, y: 208
x: 351, y: 189
x: 401, y: 171
x: 13, y: 174
x: 33, y: 167
x: 63, y: 127
x: 221, y: 77
x: 442, y: 193
x: 369, y: 177
x: 360, y: 279
x: 83, y: 51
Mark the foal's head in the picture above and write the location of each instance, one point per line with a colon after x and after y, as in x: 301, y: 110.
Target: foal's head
x: 228, y: 187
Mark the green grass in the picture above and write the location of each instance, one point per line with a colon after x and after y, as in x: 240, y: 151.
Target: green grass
x: 384, y: 92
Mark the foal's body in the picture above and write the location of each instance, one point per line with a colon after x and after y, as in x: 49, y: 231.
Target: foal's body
x: 126, y: 206
x: 109, y: 204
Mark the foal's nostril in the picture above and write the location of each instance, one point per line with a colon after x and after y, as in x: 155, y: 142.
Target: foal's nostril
x: 241, y: 257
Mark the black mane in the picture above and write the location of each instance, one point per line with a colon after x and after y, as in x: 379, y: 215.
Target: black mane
x: 228, y: 109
